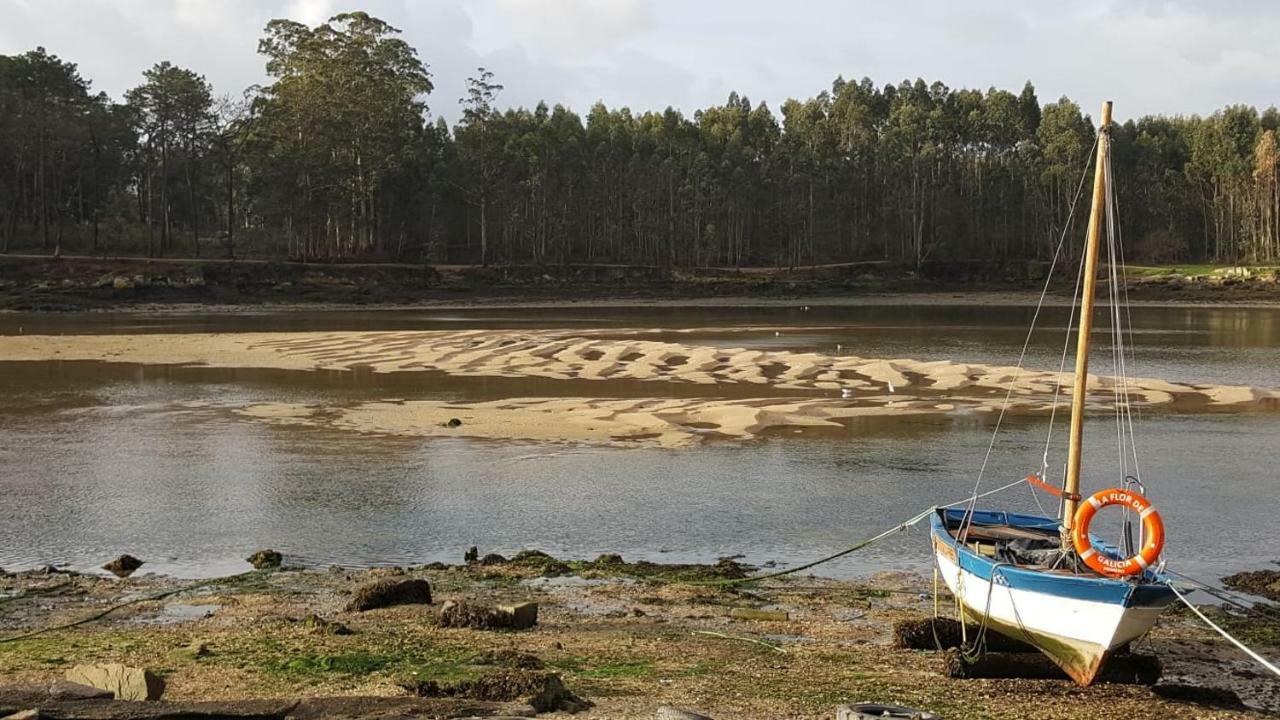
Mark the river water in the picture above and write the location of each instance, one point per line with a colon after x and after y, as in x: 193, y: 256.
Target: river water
x: 98, y: 458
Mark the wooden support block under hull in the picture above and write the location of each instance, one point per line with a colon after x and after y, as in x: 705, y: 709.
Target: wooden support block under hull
x: 928, y: 633
x: 1122, y: 669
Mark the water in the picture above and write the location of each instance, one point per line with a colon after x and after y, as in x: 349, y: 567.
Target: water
x: 99, y: 459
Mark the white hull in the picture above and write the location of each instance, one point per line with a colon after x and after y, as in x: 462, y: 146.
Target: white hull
x: 1077, y: 634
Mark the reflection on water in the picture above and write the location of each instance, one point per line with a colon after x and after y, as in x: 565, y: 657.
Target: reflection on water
x: 99, y: 459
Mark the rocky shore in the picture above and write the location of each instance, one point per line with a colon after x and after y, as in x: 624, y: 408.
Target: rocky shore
x: 44, y: 283
x: 533, y: 634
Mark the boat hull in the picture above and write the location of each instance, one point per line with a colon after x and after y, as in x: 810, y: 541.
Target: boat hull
x: 1077, y: 621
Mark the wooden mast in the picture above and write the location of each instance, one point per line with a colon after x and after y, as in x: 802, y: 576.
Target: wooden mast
x: 1071, y: 489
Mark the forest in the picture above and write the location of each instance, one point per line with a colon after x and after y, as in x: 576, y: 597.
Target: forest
x: 337, y: 158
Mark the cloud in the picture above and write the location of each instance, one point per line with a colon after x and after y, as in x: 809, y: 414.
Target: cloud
x: 573, y: 29
x: 1150, y: 56
x: 310, y: 12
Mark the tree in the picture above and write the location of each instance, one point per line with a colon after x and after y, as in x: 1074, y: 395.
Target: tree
x: 335, y: 158
x: 346, y: 103
x: 475, y: 151
x: 62, y: 148
x: 173, y: 108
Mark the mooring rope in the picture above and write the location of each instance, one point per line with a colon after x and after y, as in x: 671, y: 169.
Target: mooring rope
x: 909, y: 522
x: 145, y: 598
x: 1244, y: 648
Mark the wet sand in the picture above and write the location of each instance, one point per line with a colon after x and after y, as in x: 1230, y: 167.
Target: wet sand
x: 794, y: 389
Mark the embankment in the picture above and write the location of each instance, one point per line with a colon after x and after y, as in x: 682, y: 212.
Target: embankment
x: 85, y: 283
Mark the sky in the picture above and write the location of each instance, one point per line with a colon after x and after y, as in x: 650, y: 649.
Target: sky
x: 1149, y: 56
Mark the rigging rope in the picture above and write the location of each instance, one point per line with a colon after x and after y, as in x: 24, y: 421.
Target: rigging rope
x: 1044, y: 291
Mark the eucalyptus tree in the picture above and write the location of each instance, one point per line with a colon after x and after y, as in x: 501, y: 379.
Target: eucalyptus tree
x: 347, y: 100
x: 478, y: 154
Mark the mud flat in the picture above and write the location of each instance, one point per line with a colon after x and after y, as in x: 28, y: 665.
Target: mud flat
x: 737, y: 392
x: 626, y: 637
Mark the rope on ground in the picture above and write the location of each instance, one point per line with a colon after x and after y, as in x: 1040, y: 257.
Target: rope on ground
x: 1256, y: 657
x: 1230, y: 597
x: 897, y: 528
x: 753, y: 641
x: 146, y: 598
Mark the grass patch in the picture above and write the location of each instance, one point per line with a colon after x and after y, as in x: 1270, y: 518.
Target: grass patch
x: 698, y: 669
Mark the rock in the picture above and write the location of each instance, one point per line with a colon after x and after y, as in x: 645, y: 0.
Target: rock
x: 24, y: 715
x: 533, y: 558
x: 67, y: 690
x: 609, y: 559
x: 666, y: 712
x: 385, y: 593
x: 123, y: 566
x: 195, y: 650
x: 544, y: 691
x: 320, y: 626
x: 462, y: 614
x: 538, y: 560
x: 867, y: 711
x: 1263, y: 583
x: 121, y: 282
x: 126, y: 683
x: 493, y: 559
x: 760, y: 615
x: 522, y: 615
x: 265, y: 559
x: 509, y: 659
x: 453, y: 423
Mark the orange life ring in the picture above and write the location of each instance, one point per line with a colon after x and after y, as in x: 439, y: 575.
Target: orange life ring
x: 1152, y: 531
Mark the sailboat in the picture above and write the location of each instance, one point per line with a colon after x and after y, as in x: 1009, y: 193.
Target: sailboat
x: 1047, y: 580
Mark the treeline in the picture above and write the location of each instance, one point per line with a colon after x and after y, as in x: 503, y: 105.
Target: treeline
x: 336, y: 158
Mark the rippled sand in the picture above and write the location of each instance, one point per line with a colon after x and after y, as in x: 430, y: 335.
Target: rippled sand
x: 665, y: 423
x: 796, y: 389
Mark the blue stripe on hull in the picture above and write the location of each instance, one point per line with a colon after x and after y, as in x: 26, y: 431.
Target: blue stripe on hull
x: 1149, y: 593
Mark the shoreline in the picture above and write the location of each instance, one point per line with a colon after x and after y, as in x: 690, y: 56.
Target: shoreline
x: 937, y: 298
x: 623, y: 636
x: 46, y: 284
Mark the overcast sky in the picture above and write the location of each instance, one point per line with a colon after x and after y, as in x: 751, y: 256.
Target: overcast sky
x: 1150, y: 56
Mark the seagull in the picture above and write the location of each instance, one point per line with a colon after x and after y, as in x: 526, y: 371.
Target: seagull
x: 890, y: 385
x: 776, y: 333
x: 846, y: 392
